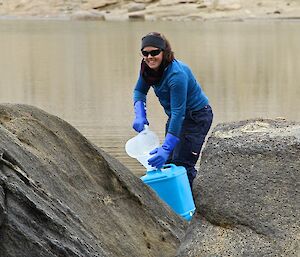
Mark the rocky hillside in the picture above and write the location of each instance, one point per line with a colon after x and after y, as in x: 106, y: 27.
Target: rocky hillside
x: 151, y: 9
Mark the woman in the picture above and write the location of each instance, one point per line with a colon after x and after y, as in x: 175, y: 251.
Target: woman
x: 183, y: 100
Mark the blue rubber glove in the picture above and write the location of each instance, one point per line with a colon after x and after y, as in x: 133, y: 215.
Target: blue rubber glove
x: 140, y: 116
x: 162, y: 153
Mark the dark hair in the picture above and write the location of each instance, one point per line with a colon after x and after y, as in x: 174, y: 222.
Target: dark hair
x: 168, y: 54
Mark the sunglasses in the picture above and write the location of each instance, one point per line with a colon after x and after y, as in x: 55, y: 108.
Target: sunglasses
x: 152, y: 53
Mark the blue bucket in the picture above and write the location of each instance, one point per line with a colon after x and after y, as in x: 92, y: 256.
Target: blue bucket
x: 172, y: 186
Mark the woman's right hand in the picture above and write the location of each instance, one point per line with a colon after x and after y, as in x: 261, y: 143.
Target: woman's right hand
x: 139, y: 124
x: 140, y: 116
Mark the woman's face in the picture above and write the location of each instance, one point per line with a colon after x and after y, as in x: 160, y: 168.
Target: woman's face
x: 152, y: 61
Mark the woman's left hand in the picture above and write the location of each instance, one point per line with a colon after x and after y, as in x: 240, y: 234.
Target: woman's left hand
x: 160, y: 157
x: 162, y: 153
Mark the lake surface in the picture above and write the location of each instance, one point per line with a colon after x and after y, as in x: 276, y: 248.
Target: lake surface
x: 84, y: 72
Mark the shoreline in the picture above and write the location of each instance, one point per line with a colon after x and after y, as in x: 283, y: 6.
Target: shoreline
x: 151, y: 10
x: 118, y: 19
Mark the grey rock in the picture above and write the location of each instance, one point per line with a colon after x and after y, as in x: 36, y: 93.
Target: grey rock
x: 62, y: 196
x: 135, y: 7
x: 247, y: 192
x: 2, y: 205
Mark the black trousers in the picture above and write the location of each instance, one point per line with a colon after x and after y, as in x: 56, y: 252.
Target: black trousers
x: 193, y: 132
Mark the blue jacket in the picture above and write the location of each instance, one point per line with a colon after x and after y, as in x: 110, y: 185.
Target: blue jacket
x: 178, y: 93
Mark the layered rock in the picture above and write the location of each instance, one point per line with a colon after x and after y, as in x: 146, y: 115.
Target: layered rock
x: 248, y: 192
x: 62, y: 196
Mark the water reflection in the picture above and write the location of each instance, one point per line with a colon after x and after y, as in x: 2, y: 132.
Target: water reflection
x: 84, y: 72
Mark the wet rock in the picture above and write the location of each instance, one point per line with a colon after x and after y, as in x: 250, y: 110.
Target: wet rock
x: 62, y: 196
x: 277, y: 12
x: 247, y: 192
x: 136, y: 16
x: 173, y: 2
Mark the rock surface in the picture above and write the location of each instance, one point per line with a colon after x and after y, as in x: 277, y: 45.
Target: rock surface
x: 62, y: 196
x: 87, y: 16
x: 248, y: 192
x: 155, y: 9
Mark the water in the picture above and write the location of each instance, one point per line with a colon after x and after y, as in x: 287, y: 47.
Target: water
x: 84, y: 72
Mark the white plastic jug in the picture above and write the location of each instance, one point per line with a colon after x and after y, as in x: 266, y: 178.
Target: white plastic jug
x: 141, y: 145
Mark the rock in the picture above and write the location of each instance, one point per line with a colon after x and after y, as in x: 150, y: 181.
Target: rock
x: 62, y: 196
x: 227, y: 5
x: 247, y: 192
x: 221, y: 5
x: 176, y: 2
x: 87, y: 16
x: 145, y: 1
x: 98, y: 4
x: 2, y: 205
x: 136, y: 17
x: 134, y: 7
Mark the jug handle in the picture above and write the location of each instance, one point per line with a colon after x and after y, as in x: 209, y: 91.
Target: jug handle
x: 169, y: 165
x: 145, y: 130
x: 165, y: 166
